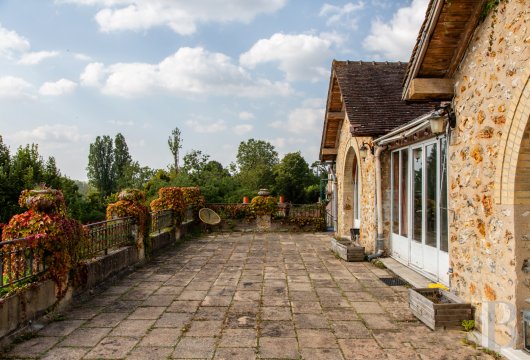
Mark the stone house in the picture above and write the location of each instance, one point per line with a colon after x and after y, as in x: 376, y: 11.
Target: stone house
x: 456, y: 201
x: 364, y: 102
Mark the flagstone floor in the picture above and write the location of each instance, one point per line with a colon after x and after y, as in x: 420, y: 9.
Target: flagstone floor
x: 246, y: 296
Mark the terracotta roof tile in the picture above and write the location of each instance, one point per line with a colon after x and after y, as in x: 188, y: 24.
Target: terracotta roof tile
x: 372, y: 96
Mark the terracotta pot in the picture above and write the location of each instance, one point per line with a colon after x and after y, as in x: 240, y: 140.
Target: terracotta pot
x: 282, y: 199
x: 245, y: 200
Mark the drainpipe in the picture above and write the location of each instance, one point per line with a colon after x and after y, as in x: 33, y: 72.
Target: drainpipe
x: 380, y: 241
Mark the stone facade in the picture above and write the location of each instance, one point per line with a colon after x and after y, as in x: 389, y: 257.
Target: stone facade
x: 347, y: 155
x: 489, y: 167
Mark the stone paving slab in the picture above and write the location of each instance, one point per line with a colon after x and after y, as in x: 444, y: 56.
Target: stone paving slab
x: 246, y: 296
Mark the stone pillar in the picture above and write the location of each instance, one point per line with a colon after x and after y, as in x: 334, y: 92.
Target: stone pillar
x: 263, y: 222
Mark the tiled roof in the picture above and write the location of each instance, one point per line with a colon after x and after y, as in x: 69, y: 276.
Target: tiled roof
x: 371, y: 92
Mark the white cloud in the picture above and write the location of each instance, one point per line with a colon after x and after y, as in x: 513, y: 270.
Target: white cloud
x: 82, y: 57
x: 344, y: 16
x: 302, y: 120
x: 14, y: 87
x: 12, y: 43
x: 182, y: 16
x: 187, y: 71
x: 242, y: 129
x: 300, y: 57
x: 32, y: 58
x: 59, y: 87
x: 93, y: 74
x: 246, y: 115
x: 206, y: 128
x: 394, y: 40
x: 122, y: 123
x: 56, y: 135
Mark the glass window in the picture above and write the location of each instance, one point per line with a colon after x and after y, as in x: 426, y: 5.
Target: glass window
x: 431, y: 160
x: 404, y: 175
x: 444, y: 224
x: 355, y: 176
x: 417, y: 200
x: 395, y: 192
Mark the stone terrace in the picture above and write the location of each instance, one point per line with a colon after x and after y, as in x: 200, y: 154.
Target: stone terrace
x: 247, y: 296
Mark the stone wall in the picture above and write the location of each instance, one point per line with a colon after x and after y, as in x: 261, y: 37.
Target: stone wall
x: 348, y: 152
x: 483, y: 237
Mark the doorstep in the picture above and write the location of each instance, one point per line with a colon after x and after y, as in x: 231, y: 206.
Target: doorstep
x: 412, y: 277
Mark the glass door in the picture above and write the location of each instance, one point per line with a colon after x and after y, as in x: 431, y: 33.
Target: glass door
x: 417, y: 206
x: 400, y: 242
x: 419, y: 222
x: 430, y: 248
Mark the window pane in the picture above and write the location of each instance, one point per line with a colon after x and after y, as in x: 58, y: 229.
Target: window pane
x: 395, y: 192
x: 417, y: 205
x: 431, y: 168
x: 443, y: 196
x: 404, y: 175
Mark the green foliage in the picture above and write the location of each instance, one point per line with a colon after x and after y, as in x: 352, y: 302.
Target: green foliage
x: 255, y: 160
x: 26, y: 169
x: 111, y: 168
x: 487, y: 8
x: 295, y: 180
x: 101, y: 165
x: 122, y: 161
x: 468, y: 325
x: 175, y: 144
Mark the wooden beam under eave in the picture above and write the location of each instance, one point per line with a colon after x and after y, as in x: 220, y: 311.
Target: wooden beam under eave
x: 431, y: 89
x: 329, y: 151
x: 335, y: 115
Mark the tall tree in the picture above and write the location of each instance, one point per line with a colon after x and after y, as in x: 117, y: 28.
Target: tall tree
x: 253, y: 153
x: 293, y: 176
x: 100, y: 165
x: 122, y: 161
x: 194, y: 162
x: 255, y: 160
x: 175, y: 144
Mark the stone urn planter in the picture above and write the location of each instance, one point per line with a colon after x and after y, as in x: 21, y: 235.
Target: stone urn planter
x: 346, y: 250
x: 438, y: 308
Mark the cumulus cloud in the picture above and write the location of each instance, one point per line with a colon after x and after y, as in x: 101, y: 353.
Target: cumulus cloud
x: 246, y: 115
x: 182, y: 16
x: 300, y: 57
x: 187, y: 71
x: 202, y: 127
x: 302, y: 120
x: 12, y: 87
x: 343, y: 16
x: 56, y: 88
x: 242, y: 129
x: 93, y: 74
x: 394, y: 40
x: 51, y: 135
x: 12, y: 43
x: 32, y: 58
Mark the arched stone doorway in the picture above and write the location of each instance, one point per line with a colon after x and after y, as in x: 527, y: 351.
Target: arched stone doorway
x: 512, y: 193
x: 350, y: 193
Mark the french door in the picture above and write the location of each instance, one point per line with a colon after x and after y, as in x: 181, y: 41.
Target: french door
x: 419, y: 208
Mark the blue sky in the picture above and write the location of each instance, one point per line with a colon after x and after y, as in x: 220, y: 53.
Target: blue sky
x: 221, y: 71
